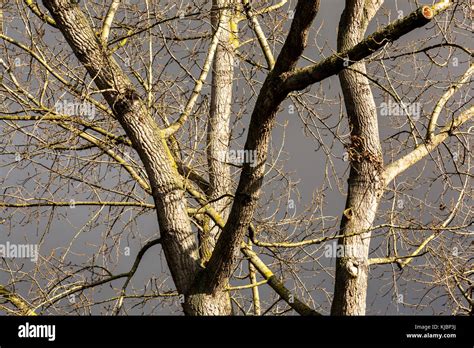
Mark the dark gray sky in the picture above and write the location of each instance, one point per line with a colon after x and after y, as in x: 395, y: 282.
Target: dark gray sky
x: 304, y: 158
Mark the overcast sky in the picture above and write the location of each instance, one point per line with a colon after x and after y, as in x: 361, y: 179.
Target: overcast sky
x: 304, y: 158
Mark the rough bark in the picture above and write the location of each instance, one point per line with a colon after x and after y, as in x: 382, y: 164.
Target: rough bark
x: 282, y: 80
x: 365, y: 153
x: 218, y: 139
x: 248, y: 191
x: 204, y: 290
x: 218, y: 132
x: 304, y: 77
x: 177, y: 237
x: 202, y: 303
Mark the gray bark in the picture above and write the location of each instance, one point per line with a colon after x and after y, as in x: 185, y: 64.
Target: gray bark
x: 218, y: 133
x: 365, y: 153
x: 177, y: 238
x: 248, y: 191
x: 205, y: 289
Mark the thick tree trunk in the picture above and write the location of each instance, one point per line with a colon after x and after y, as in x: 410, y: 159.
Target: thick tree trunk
x: 208, y: 304
x: 365, y: 186
x: 178, y: 240
x: 218, y: 132
x: 218, y: 140
x: 271, y: 95
x: 202, y: 302
x: 205, y: 290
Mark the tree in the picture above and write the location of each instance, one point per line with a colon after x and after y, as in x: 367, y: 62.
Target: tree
x: 140, y: 74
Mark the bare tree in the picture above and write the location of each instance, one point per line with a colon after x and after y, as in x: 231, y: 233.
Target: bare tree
x: 106, y: 107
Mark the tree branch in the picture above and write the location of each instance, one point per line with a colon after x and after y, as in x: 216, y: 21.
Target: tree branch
x: 296, y: 41
x: 221, y: 263
x: 302, y: 78
x: 402, y: 164
x: 271, y: 8
x: 173, y: 128
x: 272, y: 280
x: 81, y: 203
x: 132, y: 272
x: 393, y: 259
x: 24, y: 307
x: 444, y: 99
x: 109, y: 18
x: 179, y: 242
x: 275, y: 89
x: 262, y: 39
x: 44, y: 17
x: 300, y: 307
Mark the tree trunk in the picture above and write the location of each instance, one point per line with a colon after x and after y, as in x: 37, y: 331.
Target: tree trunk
x: 178, y: 240
x: 365, y: 186
x: 218, y: 132
x: 208, y: 304
x: 218, y: 139
x: 271, y: 95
